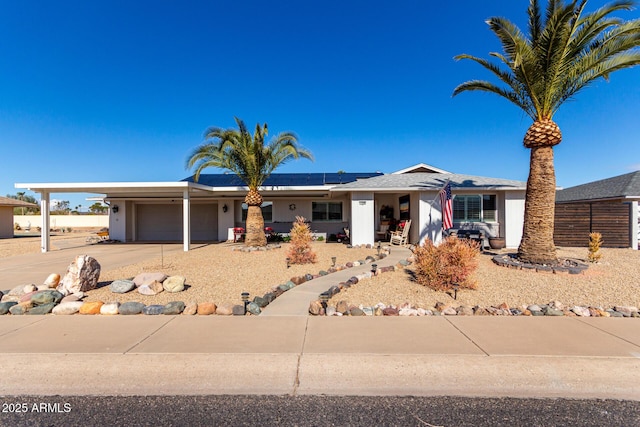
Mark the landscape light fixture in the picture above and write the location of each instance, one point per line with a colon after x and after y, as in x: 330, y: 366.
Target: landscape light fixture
x: 379, y: 248
x: 288, y: 262
x: 333, y: 261
x: 115, y: 209
x: 245, y: 300
x: 456, y: 286
x: 374, y: 268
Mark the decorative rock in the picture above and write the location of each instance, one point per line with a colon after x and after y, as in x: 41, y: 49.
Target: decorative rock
x: 70, y: 298
x: 10, y: 298
x: 207, y: 308
x: 17, y: 291
x: 150, y: 289
x: 29, y: 289
x: 153, y: 310
x: 550, y: 311
x: 131, y: 308
x: 20, y: 308
x: 342, y: 307
x: 42, y: 309
x: 330, y: 311
x: 5, y: 306
x: 581, y: 311
x: 52, y: 280
x: 626, y: 311
x: 464, y: 310
x: 534, y: 307
x: 480, y: 311
x: 390, y: 311
x: 368, y: 311
x: 298, y: 280
x: 355, y: 311
x: 253, y: 308
x: 613, y: 313
x: 269, y: 296
x: 283, y: 288
x: 333, y: 290
x: 308, y: 277
x: 122, y: 286
x: 67, y: 308
x: 110, y: 308
x: 224, y: 310
x: 82, y: 275
x: 27, y: 297
x: 450, y: 311
x: 260, y: 301
x: 174, y: 284
x: 46, y: 297
x: 190, y: 309
x: 439, y: 306
x: 322, y: 273
x: 408, y: 312
x: 316, y: 308
x: 91, y: 307
x: 148, y: 278
x: 238, y: 310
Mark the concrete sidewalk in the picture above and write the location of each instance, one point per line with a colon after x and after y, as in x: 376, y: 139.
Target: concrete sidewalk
x: 189, y: 355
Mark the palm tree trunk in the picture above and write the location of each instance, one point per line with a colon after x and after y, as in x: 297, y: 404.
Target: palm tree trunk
x: 537, y: 244
x: 255, y: 227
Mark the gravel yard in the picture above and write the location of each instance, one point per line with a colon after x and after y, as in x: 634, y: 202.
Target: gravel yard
x: 217, y: 274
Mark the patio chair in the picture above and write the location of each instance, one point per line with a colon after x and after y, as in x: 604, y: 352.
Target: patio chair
x: 400, y: 237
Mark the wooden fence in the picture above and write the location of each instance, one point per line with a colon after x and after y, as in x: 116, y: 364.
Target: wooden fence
x: 574, y: 222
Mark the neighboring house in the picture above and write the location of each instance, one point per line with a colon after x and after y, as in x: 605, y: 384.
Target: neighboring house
x: 608, y: 206
x: 208, y: 210
x: 6, y: 215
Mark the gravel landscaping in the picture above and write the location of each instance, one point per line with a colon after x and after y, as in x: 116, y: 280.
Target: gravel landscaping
x: 216, y: 273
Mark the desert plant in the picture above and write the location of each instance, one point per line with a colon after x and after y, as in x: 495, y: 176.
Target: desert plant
x: 451, y: 262
x: 300, y: 251
x: 595, y: 241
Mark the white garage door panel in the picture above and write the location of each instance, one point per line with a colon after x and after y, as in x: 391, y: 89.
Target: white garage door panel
x: 159, y: 222
x: 204, y: 222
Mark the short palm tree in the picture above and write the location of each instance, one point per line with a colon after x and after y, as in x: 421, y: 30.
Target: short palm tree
x: 539, y: 71
x: 251, y: 160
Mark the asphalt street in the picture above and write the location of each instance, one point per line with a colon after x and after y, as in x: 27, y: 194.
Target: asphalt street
x: 312, y: 411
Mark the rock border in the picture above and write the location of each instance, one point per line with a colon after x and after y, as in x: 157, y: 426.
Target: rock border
x: 570, y: 266
x: 320, y: 307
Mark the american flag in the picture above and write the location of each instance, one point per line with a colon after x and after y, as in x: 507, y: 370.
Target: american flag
x: 446, y: 204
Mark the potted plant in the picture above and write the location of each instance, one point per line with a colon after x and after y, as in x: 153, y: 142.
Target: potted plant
x: 497, y: 242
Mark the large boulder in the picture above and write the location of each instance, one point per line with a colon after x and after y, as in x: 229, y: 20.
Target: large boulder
x: 82, y: 275
x: 174, y: 284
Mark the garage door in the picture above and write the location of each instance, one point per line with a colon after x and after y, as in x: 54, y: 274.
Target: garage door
x: 157, y: 222
x: 204, y: 222
x: 163, y: 222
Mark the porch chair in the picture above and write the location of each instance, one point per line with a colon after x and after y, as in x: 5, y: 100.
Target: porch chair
x: 400, y: 237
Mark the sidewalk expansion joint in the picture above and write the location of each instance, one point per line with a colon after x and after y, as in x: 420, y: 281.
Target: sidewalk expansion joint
x: 466, y: 336
x: 149, y: 335
x: 608, y: 333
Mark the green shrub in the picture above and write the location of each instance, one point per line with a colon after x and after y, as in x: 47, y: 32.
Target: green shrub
x: 453, y: 261
x: 320, y: 239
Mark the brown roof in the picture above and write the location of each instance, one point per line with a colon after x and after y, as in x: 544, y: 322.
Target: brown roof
x: 6, y: 201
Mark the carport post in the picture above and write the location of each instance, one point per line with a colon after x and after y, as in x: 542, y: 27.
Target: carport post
x: 186, y: 218
x: 44, y: 214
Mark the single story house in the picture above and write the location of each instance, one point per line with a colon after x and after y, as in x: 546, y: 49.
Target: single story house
x: 6, y: 215
x: 206, y: 211
x: 608, y: 206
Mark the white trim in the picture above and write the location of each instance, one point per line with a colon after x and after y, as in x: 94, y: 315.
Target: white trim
x: 419, y: 166
x: 45, y: 234
x: 186, y: 221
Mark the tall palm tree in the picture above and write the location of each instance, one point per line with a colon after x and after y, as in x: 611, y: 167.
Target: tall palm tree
x: 248, y: 157
x: 560, y: 56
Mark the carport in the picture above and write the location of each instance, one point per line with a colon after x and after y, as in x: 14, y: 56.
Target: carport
x: 147, y: 195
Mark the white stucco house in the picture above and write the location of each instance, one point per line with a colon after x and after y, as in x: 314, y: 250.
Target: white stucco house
x: 207, y: 211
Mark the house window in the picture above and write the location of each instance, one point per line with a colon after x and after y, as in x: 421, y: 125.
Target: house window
x: 326, y: 211
x: 267, y: 211
x: 474, y: 208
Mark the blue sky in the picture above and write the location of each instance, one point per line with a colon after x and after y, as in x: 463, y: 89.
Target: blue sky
x: 123, y: 91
